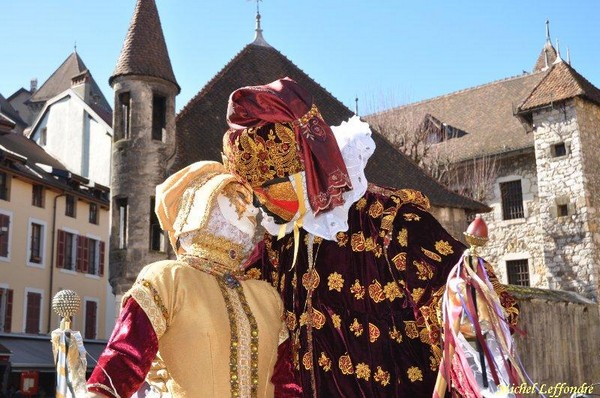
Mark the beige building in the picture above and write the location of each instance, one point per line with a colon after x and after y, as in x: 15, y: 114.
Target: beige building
x: 53, y: 236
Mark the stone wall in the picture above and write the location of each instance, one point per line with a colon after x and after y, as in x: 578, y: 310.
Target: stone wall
x: 519, y: 238
x: 562, y: 339
x: 570, y: 253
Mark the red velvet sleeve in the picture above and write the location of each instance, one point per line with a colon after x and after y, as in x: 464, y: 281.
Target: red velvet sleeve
x: 128, y: 355
x: 284, y: 378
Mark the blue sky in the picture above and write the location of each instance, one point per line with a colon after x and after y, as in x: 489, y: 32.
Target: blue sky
x: 385, y: 52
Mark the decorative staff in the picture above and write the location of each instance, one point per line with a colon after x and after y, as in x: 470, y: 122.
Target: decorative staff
x: 67, y: 346
x: 471, y: 310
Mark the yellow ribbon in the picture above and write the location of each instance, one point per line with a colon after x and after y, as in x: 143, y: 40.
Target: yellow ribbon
x: 298, y: 223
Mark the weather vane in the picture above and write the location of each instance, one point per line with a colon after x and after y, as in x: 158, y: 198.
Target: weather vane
x: 257, y: 8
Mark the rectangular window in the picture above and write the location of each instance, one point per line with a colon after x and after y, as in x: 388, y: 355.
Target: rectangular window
x: 37, y: 196
x: 562, y: 210
x: 124, y: 123
x: 93, y: 257
x: 558, y: 150
x: 4, y: 186
x: 159, y: 117
x: 4, y: 234
x: 33, y: 308
x: 35, y: 243
x: 121, y: 205
x: 43, y: 136
x: 91, y: 310
x: 518, y: 272
x: 6, y: 303
x: 157, y: 237
x: 70, y: 203
x: 512, y: 200
x: 66, y: 250
x: 93, y: 218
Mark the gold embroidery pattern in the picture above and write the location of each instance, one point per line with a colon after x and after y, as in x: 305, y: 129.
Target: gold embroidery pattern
x: 410, y: 328
x: 443, y: 247
x: 362, y: 202
x: 336, y: 320
x: 399, y: 261
x: 306, y: 361
x: 414, y: 374
x: 105, y: 388
x: 342, y: 239
x: 325, y: 362
x: 412, y: 217
x: 335, y: 282
x: 381, y: 376
x: 403, y: 237
x: 311, y: 279
x: 376, y: 292
x: 369, y: 244
x: 259, y: 156
x: 403, y: 196
x: 432, y: 255
x: 417, y: 293
x: 376, y: 209
x: 253, y: 273
x: 424, y: 270
x: 345, y: 364
x: 357, y: 242
x: 271, y: 254
x: 363, y: 371
x: 357, y: 328
x: 290, y: 320
x: 357, y: 290
x: 392, y: 291
x: 395, y: 335
x: 374, y: 333
x: 148, y: 298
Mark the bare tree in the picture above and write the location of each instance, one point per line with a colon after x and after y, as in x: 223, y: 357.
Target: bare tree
x: 473, y: 178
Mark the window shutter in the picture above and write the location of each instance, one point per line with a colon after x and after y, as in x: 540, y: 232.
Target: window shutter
x: 79, y: 257
x: 86, y: 252
x: 32, y: 324
x: 101, y: 262
x: 90, y: 319
x: 60, y: 249
x: 4, y: 223
x: 8, y: 312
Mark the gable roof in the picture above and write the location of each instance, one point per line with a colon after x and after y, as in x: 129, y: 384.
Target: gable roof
x: 201, y: 123
x: 546, y: 57
x: 144, y: 50
x: 7, y: 110
x: 562, y: 82
x: 61, y: 80
x: 484, y: 115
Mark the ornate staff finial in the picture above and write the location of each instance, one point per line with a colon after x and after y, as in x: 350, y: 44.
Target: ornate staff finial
x: 476, y: 234
x: 66, y: 303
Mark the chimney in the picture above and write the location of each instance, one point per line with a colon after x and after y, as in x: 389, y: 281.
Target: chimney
x: 81, y: 85
x: 33, y: 85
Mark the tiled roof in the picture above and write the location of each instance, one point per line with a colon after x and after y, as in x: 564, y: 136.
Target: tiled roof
x: 547, y: 52
x: 9, y: 112
x: 201, y: 123
x: 60, y: 81
x: 562, y: 82
x: 5, y: 125
x: 485, y: 113
x: 144, y: 50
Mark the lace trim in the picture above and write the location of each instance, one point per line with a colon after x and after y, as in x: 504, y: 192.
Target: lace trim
x: 148, y: 298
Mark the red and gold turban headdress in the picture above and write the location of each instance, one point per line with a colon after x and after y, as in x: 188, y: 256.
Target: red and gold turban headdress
x: 275, y: 131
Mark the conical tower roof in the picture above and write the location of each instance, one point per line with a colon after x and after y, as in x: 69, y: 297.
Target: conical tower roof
x: 144, y: 50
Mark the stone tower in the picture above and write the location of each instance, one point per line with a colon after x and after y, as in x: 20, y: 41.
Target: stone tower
x: 563, y: 111
x: 144, y: 88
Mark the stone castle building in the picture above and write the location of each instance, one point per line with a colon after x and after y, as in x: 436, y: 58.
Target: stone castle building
x: 539, y: 131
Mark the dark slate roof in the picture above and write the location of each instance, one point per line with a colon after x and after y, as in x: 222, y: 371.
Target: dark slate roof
x: 485, y: 113
x: 548, y: 51
x: 60, y: 81
x: 31, y: 161
x: 144, y: 50
x: 16, y: 93
x: 201, y: 123
x: 8, y: 111
x: 5, y: 124
x: 562, y: 82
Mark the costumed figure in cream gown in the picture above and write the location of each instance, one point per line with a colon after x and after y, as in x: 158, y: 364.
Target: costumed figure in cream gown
x: 194, y: 326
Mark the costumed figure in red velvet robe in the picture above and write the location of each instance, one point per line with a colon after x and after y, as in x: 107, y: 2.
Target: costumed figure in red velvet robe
x: 196, y: 326
x: 361, y: 269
